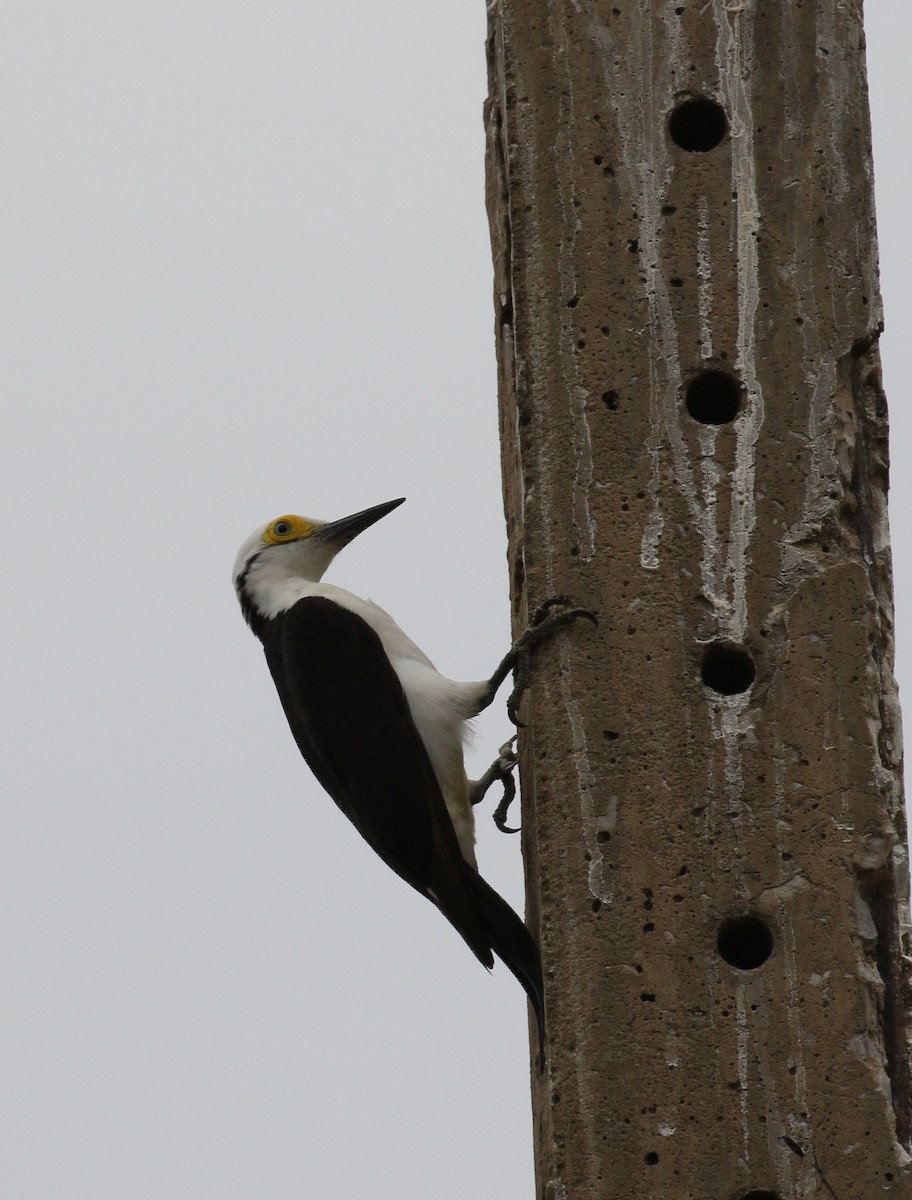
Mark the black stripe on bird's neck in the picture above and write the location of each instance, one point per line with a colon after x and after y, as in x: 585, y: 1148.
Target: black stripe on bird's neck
x: 252, y: 615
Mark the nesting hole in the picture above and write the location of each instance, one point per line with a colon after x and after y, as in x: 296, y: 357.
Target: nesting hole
x: 713, y: 397
x: 761, y: 1195
x: 744, y: 942
x: 698, y: 125
x: 728, y: 670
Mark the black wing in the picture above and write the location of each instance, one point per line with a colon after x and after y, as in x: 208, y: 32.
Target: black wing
x: 350, y: 718
x: 352, y: 723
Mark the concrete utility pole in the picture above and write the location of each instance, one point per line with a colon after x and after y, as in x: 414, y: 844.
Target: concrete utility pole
x: 695, y: 446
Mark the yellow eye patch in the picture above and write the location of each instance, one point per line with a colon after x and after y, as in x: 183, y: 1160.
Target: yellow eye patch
x: 287, y: 529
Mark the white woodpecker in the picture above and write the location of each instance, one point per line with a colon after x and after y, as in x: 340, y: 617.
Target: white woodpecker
x: 381, y: 729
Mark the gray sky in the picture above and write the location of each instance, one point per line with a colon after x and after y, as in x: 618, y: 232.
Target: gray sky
x: 247, y: 271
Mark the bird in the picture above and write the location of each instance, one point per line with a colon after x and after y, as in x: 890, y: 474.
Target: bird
x: 382, y: 730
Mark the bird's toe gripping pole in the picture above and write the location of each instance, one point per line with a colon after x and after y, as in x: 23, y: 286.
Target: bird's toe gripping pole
x: 500, y: 771
x: 545, y: 623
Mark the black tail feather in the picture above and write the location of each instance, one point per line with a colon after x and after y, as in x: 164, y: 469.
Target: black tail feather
x: 512, y: 942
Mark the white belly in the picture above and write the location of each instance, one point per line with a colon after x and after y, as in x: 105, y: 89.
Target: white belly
x: 439, y: 708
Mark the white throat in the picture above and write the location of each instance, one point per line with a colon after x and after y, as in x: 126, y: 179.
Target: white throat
x: 278, y: 576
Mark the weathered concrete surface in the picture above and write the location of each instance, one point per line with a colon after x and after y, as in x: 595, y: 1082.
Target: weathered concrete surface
x: 654, y: 807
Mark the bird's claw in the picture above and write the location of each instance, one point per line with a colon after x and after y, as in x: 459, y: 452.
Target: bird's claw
x: 500, y: 812
x: 514, y: 699
x: 545, y: 623
x: 500, y: 771
x: 543, y: 612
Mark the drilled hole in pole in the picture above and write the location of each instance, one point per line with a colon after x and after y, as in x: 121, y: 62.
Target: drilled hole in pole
x: 698, y: 125
x: 744, y: 942
x: 728, y: 670
x: 713, y: 397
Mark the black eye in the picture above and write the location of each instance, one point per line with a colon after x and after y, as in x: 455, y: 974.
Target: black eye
x: 281, y: 528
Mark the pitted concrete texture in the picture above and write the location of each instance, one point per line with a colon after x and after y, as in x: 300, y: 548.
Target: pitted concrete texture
x: 695, y: 446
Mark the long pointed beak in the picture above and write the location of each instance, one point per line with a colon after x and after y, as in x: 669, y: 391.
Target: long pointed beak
x: 343, y: 531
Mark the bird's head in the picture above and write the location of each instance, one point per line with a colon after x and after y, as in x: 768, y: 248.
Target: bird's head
x: 291, y: 550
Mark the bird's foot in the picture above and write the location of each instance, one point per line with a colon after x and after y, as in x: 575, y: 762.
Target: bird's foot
x: 545, y: 623
x: 500, y: 771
